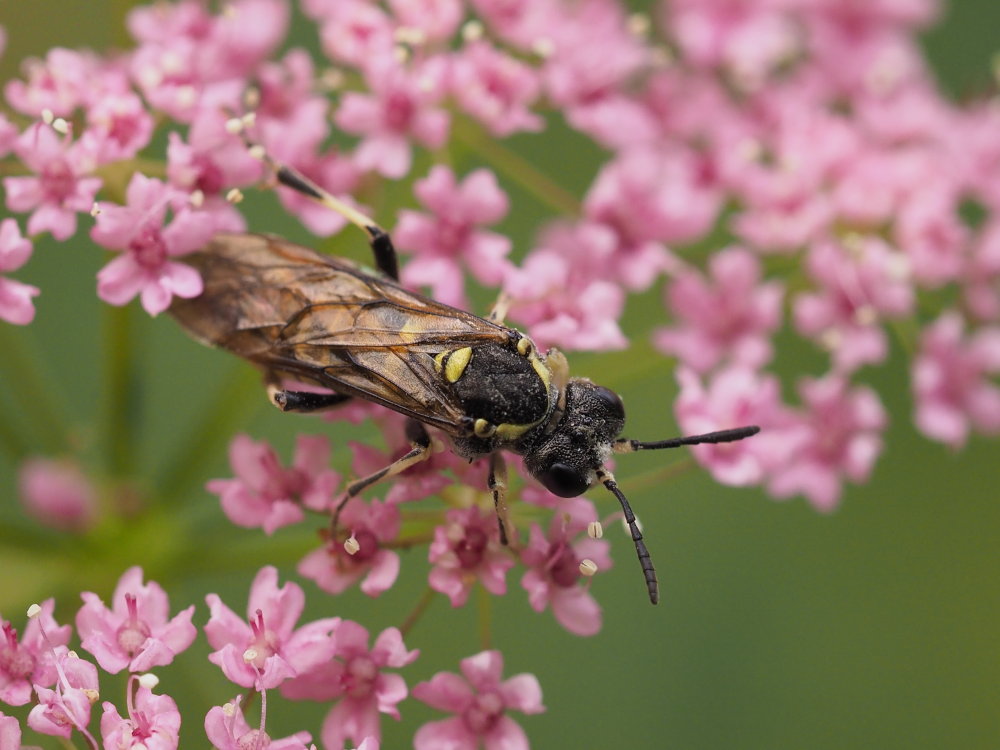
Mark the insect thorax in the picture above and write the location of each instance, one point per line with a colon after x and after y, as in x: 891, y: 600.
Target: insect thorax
x: 503, y: 392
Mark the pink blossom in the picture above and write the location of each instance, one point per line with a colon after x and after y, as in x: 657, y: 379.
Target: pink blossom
x: 422, y: 480
x: 650, y: 196
x: 60, y: 188
x: 929, y: 230
x: 402, y: 106
x: 841, y: 439
x: 15, y: 297
x: 496, y: 89
x: 121, y: 126
x: 526, y: 24
x: 60, y: 83
x: 859, y: 285
x: 560, y: 292
x: 736, y: 396
x: 67, y: 708
x: 747, y: 40
x: 452, y: 232
x: 733, y: 314
x: 30, y: 661
x: 982, y: 274
x: 436, y: 19
x: 353, y: 31
x: 58, y: 493
x: 356, y: 679
x: 481, y: 702
x: 153, y: 723
x: 553, y: 561
x: 951, y: 386
x: 227, y: 729
x: 266, y: 649
x: 10, y: 732
x: 466, y: 549
x: 371, y: 525
x: 267, y: 495
x: 135, y: 632
x: 189, y: 60
x: 145, y: 267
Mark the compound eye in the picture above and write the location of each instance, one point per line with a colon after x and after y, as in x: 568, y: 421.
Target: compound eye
x: 564, y: 480
x: 611, y: 400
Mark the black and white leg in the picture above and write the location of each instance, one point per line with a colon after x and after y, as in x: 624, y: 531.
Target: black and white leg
x: 497, y: 483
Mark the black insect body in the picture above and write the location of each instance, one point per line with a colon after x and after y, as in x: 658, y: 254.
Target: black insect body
x: 308, y: 317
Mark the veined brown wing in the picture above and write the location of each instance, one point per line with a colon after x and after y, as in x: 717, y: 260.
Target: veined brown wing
x: 321, y: 319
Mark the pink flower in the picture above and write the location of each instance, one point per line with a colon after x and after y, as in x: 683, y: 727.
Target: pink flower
x: 371, y: 525
x: 733, y: 397
x: 732, y: 314
x: 60, y: 188
x: 951, y: 384
x: 267, y: 495
x: 135, y: 633
x: 437, y: 19
x: 57, y: 493
x: 15, y: 298
x: 10, y: 732
x: 269, y: 649
x: 451, y: 232
x: 356, y: 678
x: 553, y: 562
x: 352, y: 31
x: 227, y: 729
x: 67, y: 708
x: 212, y: 161
x: 650, y: 196
x: 481, y: 701
x: 561, y: 294
x: 401, y: 107
x: 841, y: 438
x: 153, y: 723
x: 466, y: 549
x: 145, y: 267
x: 30, y: 660
x: 496, y: 89
x: 60, y: 83
x: 121, y: 126
x: 860, y: 284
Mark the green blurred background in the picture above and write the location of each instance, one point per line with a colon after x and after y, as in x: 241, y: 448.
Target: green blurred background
x: 876, y: 626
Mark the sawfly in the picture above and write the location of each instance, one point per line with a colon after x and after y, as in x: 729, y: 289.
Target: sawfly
x: 306, y: 317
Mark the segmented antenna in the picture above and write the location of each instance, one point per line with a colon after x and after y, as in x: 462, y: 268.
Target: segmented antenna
x: 648, y: 572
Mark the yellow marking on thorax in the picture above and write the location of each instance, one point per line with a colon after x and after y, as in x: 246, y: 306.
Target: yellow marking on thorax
x: 456, y: 363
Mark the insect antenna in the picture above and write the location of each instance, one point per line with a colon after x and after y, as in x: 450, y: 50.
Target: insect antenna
x: 648, y: 572
x: 721, y: 436
x: 625, y: 445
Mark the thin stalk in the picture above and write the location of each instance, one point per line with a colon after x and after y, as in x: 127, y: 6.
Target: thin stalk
x: 484, y: 617
x: 121, y: 392
x: 518, y: 169
x: 227, y: 412
x: 415, y: 614
x: 24, y: 376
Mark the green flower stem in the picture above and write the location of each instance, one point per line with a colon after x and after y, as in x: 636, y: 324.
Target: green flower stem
x: 26, y: 382
x: 121, y: 397
x: 484, y: 616
x: 517, y: 168
x: 417, y: 612
x: 228, y: 413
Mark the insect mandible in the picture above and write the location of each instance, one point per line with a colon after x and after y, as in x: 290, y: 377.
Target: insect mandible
x: 313, y: 318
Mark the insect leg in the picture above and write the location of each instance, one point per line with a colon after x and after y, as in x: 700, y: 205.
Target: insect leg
x: 500, y: 308
x: 304, y: 401
x: 379, y: 240
x: 497, y: 483
x: 421, y: 450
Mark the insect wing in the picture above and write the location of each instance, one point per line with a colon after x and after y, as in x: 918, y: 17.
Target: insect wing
x: 323, y: 320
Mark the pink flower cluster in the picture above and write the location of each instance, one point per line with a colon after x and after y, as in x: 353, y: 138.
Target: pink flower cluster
x: 327, y: 660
